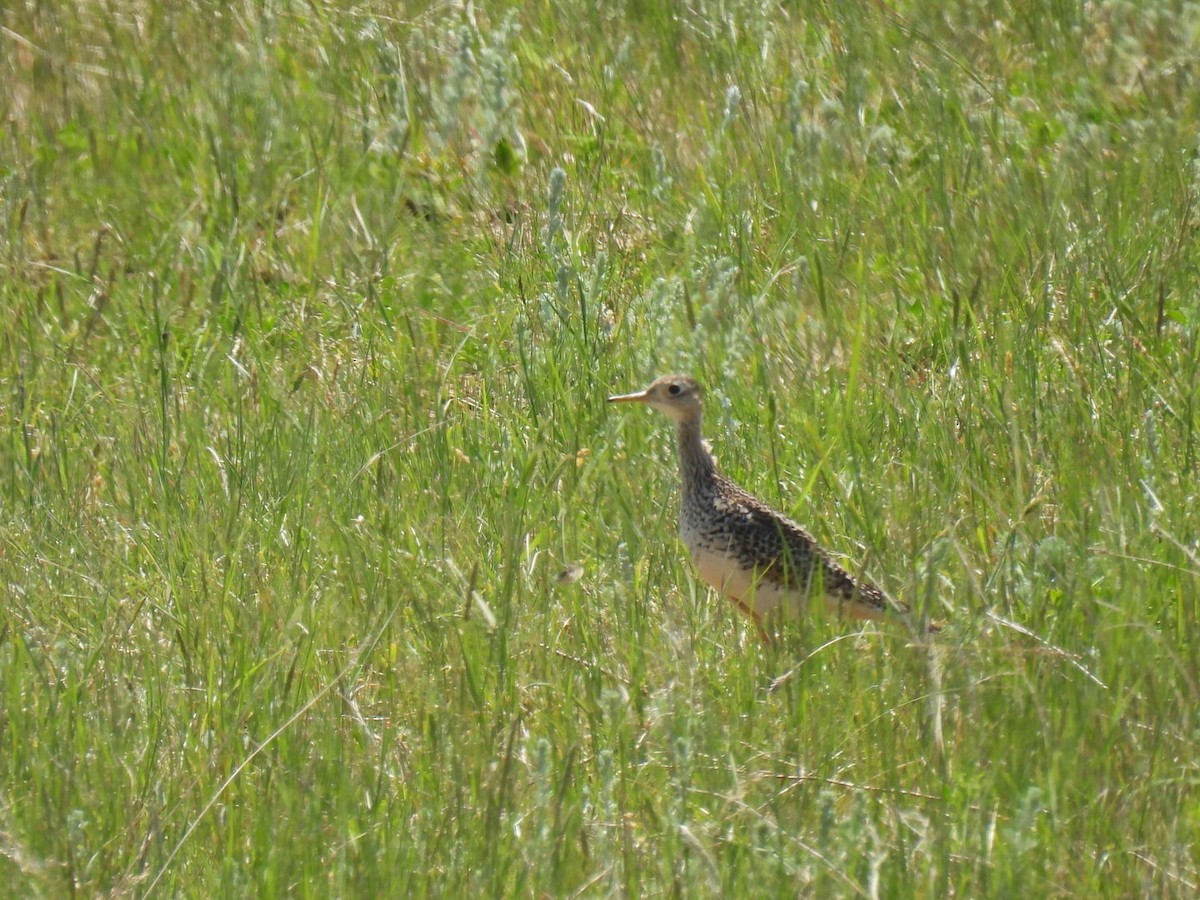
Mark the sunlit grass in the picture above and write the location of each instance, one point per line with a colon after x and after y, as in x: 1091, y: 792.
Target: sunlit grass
x: 327, y: 570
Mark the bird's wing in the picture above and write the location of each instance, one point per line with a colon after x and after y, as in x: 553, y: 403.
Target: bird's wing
x: 785, y: 554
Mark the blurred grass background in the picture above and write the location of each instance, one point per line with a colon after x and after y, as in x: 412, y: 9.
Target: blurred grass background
x: 327, y: 572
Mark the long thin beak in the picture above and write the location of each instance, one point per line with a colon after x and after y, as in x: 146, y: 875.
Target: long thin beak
x: 639, y: 397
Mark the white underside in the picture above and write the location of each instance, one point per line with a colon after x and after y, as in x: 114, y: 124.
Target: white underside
x: 759, y: 597
x: 756, y: 596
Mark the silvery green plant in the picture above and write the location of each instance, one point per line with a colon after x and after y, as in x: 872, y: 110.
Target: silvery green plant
x: 390, y: 132
x: 459, y: 86
x: 562, y: 283
x: 620, y: 61
x: 662, y: 177
x: 733, y: 100
x: 543, y: 776
x: 554, y: 223
x: 477, y: 106
x: 795, y: 111
x: 497, y: 73
x: 729, y: 113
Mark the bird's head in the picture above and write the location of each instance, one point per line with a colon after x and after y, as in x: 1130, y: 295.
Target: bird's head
x: 677, y: 396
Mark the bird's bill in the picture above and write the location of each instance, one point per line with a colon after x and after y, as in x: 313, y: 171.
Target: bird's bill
x: 639, y: 397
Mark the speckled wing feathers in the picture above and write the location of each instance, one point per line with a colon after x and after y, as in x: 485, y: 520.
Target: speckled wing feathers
x: 783, y: 553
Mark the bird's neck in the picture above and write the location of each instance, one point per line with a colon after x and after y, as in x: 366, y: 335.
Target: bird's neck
x: 696, y: 464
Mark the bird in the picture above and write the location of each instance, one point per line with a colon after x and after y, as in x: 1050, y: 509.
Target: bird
x: 766, y: 564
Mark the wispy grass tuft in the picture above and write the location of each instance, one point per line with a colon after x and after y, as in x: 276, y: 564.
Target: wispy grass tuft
x: 326, y: 568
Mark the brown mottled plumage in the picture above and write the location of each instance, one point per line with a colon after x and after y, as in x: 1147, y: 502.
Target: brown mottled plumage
x: 757, y: 557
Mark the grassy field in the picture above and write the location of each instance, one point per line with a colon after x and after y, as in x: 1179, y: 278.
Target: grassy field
x: 325, y: 570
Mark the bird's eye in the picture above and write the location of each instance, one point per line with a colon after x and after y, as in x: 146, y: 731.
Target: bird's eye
x: 674, y: 389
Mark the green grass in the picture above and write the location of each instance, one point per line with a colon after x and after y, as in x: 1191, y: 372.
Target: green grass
x: 303, y: 367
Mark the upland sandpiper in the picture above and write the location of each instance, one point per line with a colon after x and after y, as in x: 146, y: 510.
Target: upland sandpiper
x: 757, y: 557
